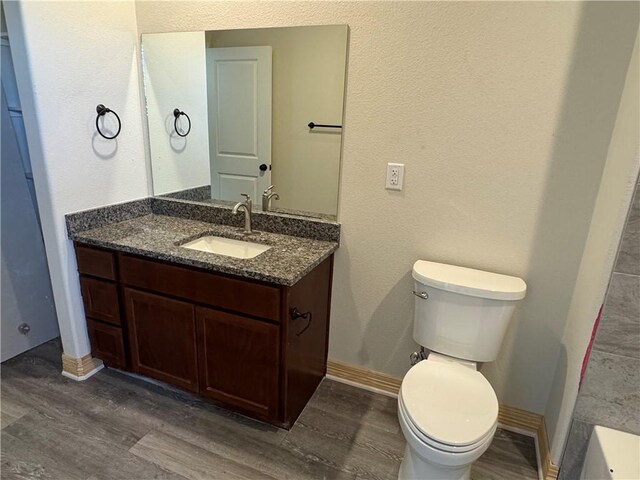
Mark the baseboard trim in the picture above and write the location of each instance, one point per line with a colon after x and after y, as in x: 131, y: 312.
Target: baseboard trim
x: 510, y: 418
x: 362, y: 377
x: 552, y: 471
x: 80, y: 368
x: 549, y: 469
x: 533, y: 424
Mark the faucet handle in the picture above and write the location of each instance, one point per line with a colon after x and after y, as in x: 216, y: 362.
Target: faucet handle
x: 268, y: 190
x: 246, y: 196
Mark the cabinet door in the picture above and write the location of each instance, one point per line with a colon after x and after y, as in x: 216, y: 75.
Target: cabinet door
x: 163, y: 338
x: 107, y: 343
x: 239, y: 361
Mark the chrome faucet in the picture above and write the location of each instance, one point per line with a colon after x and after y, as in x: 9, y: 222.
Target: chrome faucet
x: 246, y: 206
x: 267, y: 195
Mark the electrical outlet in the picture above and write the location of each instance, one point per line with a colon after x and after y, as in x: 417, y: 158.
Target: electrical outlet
x: 395, y: 176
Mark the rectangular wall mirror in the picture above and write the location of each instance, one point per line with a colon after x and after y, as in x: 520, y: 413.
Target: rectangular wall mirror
x: 234, y: 112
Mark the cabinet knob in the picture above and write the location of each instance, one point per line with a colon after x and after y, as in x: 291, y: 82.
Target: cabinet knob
x: 296, y: 314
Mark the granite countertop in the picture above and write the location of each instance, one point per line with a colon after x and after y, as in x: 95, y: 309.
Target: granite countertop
x: 159, y: 236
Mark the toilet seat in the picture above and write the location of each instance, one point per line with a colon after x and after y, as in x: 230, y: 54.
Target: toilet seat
x: 441, y: 447
x: 450, y: 406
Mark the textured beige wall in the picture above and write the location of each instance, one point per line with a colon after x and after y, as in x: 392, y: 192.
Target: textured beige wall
x: 308, y: 85
x: 502, y: 112
x: 609, y: 214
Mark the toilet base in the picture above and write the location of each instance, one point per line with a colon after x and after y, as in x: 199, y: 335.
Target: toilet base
x: 414, y: 467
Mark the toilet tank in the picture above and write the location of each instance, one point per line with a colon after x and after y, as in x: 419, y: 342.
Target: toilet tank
x: 462, y: 312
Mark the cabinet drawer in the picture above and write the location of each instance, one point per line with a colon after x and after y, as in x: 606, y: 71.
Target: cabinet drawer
x: 202, y: 287
x: 99, y: 263
x: 107, y: 343
x: 100, y: 300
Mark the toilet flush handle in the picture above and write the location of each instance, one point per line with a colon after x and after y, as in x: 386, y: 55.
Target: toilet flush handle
x: 422, y: 295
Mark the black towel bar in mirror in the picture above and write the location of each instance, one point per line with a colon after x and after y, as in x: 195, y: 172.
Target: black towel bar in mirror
x: 313, y: 125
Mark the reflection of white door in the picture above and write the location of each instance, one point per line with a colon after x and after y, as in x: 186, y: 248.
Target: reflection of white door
x: 239, y: 97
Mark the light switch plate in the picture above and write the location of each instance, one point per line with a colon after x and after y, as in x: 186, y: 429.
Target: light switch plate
x: 395, y: 176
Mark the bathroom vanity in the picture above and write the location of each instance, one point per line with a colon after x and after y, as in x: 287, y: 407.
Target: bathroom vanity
x: 249, y: 334
x: 173, y: 287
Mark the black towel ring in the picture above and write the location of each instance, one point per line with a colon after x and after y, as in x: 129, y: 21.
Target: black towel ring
x: 102, y: 111
x: 176, y: 113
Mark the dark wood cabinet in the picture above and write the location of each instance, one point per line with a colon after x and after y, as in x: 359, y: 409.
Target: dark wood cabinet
x: 162, y: 337
x: 239, y: 361
x: 96, y: 262
x: 107, y: 343
x: 251, y: 346
x: 100, y: 300
x: 307, y: 343
x: 228, y: 293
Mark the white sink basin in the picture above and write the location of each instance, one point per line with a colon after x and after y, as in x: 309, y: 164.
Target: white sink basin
x: 227, y: 246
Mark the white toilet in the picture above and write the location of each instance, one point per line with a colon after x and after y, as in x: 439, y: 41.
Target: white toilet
x: 448, y: 411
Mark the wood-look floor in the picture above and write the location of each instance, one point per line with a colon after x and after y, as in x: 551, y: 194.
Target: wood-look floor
x: 113, y: 426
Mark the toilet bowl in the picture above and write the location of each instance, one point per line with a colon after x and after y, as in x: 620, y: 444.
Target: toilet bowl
x: 447, y: 409
x: 448, y: 413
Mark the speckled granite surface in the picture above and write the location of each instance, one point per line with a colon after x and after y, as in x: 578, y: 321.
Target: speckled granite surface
x: 296, y: 226
x: 196, y: 194
x: 99, y: 217
x: 159, y: 236
x: 307, y: 227
x: 203, y: 195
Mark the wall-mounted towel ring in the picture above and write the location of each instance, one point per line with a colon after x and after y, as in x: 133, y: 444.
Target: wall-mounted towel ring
x: 102, y: 111
x: 176, y: 113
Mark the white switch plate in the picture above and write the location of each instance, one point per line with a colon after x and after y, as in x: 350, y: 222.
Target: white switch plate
x: 395, y: 176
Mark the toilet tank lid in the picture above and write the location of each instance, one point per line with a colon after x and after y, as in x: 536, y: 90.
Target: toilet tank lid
x: 468, y: 281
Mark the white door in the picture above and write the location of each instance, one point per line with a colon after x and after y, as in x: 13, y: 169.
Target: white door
x: 239, y: 98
